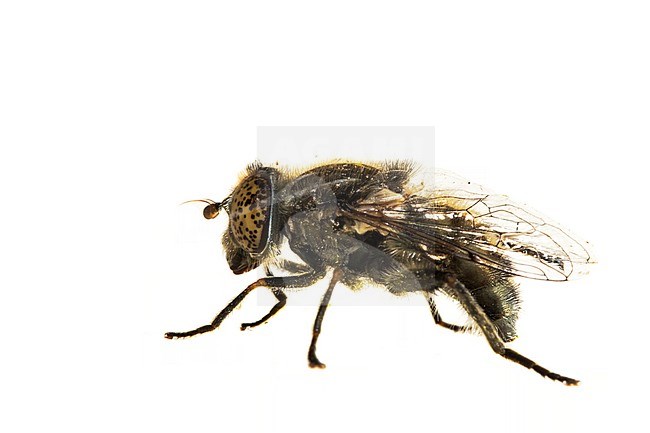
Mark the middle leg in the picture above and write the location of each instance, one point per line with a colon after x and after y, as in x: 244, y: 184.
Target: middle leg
x: 311, y: 356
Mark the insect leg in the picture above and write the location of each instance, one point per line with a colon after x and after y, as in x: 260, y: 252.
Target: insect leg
x: 279, y: 294
x: 311, y: 356
x: 282, y: 301
x: 303, y: 280
x: 438, y: 319
x: 491, y: 334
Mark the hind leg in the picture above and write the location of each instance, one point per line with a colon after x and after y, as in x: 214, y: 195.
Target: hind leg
x: 491, y: 333
x: 438, y: 320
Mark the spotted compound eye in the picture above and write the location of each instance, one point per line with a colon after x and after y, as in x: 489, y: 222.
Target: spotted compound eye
x: 250, y: 212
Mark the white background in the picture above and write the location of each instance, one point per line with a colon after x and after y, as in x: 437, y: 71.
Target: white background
x: 112, y: 113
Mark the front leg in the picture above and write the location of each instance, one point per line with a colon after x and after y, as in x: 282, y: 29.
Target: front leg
x: 279, y: 294
x: 282, y: 301
x: 303, y: 280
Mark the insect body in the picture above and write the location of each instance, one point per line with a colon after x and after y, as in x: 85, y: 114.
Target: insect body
x: 372, y: 223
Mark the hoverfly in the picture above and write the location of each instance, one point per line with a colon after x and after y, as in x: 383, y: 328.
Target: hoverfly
x: 373, y: 223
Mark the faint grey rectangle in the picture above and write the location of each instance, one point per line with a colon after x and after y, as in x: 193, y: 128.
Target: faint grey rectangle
x: 305, y: 145
x: 297, y: 147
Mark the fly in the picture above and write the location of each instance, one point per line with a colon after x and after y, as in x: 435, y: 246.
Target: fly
x: 376, y: 223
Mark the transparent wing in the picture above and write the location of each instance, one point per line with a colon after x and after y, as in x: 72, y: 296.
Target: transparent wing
x: 471, y: 224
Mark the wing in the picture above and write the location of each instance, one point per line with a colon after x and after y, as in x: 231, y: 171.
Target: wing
x: 484, y: 228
